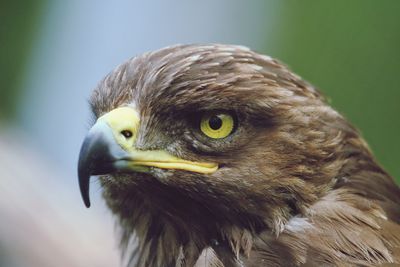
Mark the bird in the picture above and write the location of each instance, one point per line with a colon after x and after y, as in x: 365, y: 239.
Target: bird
x: 216, y: 155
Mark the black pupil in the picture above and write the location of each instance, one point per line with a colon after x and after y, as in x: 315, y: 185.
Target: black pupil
x: 215, y: 122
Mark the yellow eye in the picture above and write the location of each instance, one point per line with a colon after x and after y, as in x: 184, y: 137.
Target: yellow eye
x: 217, y: 125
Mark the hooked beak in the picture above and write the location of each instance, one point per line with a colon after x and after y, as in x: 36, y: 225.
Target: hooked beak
x: 109, y: 147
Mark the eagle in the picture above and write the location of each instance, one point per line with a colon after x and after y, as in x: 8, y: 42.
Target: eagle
x: 215, y: 155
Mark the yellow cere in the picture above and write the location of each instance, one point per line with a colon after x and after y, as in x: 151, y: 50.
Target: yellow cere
x: 217, y: 125
x: 122, y: 119
x: 126, y: 119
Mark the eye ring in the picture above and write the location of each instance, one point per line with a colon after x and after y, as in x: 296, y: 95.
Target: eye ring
x: 217, y: 125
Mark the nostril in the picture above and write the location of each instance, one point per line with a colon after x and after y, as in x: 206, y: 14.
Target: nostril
x: 126, y: 133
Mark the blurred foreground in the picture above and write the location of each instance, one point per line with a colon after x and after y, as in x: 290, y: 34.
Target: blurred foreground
x: 41, y: 224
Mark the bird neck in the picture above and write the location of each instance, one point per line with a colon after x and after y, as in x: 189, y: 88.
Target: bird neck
x: 157, y: 232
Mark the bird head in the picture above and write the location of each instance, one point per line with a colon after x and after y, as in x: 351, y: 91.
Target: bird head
x: 202, y: 137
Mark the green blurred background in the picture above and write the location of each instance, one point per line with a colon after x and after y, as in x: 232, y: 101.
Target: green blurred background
x: 351, y: 51
x: 18, y: 30
x: 52, y: 53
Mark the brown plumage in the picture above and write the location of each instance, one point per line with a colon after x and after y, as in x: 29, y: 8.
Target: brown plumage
x: 296, y: 185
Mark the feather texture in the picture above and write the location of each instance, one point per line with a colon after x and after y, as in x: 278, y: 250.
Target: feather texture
x: 297, y: 184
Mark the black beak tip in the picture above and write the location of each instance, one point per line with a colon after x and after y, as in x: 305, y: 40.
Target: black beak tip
x: 84, y: 187
x: 87, y: 203
x: 94, y: 159
x: 86, y: 200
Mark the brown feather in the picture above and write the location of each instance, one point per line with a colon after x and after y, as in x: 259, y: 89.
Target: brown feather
x: 298, y: 184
